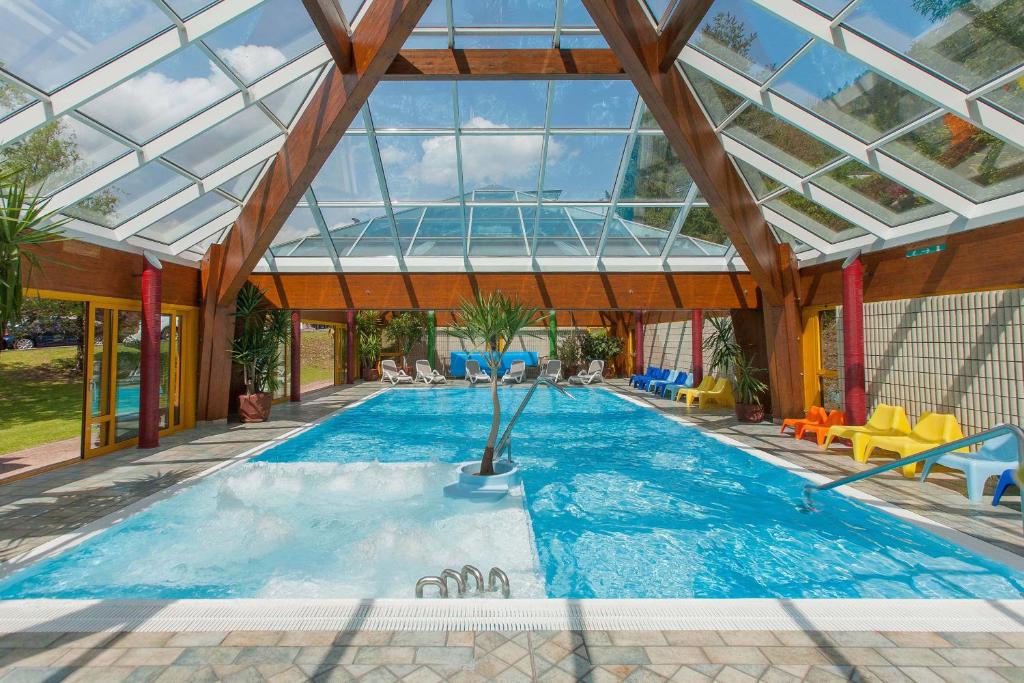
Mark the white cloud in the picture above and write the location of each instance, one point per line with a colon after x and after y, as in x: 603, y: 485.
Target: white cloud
x: 252, y: 61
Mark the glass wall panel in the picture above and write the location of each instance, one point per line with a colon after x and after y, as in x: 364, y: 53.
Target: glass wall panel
x: 967, y: 41
x: 129, y: 196
x: 99, y: 388
x: 412, y: 104
x: 230, y: 139
x: 502, y: 104
x: 751, y: 40
x: 780, y: 142
x: 718, y: 102
x: 966, y: 158
x: 496, y: 231
x: 441, y: 232
x: 654, y: 171
x: 128, y: 375
x: 583, y: 167
x: 877, y: 195
x: 815, y: 218
x: 349, y: 174
x: 192, y: 216
x: 844, y: 92
x: 593, y: 104
x: 417, y: 167
x: 162, y: 96
x: 164, y: 401
x: 49, y: 43
x: 264, y: 38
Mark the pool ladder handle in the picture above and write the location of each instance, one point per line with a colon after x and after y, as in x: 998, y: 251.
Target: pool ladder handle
x: 505, y: 442
x: 998, y: 430
x: 496, y: 580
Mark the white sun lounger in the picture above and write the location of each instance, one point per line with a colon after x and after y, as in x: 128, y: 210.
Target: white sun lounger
x: 474, y: 374
x: 592, y: 374
x: 552, y: 370
x: 515, y: 373
x: 390, y: 373
x: 428, y: 374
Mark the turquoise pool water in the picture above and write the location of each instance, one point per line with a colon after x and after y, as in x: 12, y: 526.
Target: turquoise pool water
x: 620, y: 502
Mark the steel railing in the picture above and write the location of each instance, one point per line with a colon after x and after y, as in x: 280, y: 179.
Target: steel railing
x: 505, y: 442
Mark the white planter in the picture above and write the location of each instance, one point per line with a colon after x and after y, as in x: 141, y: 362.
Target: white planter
x: 493, y: 487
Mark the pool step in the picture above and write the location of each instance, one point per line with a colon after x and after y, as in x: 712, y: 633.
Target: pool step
x: 496, y: 580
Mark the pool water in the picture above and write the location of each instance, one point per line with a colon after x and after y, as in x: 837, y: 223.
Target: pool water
x: 618, y: 502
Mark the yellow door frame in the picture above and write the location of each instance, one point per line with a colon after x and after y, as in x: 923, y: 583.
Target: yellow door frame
x: 813, y: 370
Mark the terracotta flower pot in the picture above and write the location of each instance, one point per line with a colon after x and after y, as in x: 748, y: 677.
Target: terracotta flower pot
x: 370, y: 375
x: 254, y: 407
x: 749, y: 412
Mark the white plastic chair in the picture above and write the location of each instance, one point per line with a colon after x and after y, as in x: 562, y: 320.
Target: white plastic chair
x: 474, y: 374
x: 552, y: 370
x: 428, y: 374
x: 390, y: 373
x: 515, y: 373
x: 594, y: 373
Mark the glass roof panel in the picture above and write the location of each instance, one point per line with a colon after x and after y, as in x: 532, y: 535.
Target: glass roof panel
x: 285, y: 103
x: 216, y: 147
x: 701, y: 235
x: 49, y: 43
x: 375, y: 240
x: 657, y: 9
x: 496, y: 231
x: 573, y: 40
x: 783, y: 236
x: 873, y: 193
x: 59, y: 153
x: 751, y: 40
x: 12, y: 99
x: 760, y: 184
x: 593, y: 104
x: 501, y: 41
x: 418, y: 167
x: 1010, y: 97
x: 556, y: 234
x: 349, y: 173
x: 345, y: 225
x: 583, y: 167
x: 435, y: 15
x: 440, y: 233
x: 162, y: 96
x: 512, y: 161
x: 239, y: 186
x: 779, y: 141
x: 186, y: 8
x: 966, y: 41
x: 718, y: 102
x: 502, y: 104
x: 412, y: 104
x: 503, y: 12
x: 129, y: 196
x: 351, y: 8
x: 188, y: 218
x: 300, y: 227
x: 264, y: 38
x: 640, y: 230
x: 841, y: 90
x: 575, y: 14
x: 815, y: 218
x: 830, y: 8
x: 963, y: 157
x: 654, y: 171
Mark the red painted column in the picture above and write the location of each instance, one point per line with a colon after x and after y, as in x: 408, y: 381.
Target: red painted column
x: 350, y: 346
x: 638, y: 337
x: 853, y: 342
x: 697, y: 345
x: 149, y: 357
x: 296, y: 357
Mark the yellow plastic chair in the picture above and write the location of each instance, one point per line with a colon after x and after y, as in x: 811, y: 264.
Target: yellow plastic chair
x: 933, y: 429
x: 706, y: 384
x: 886, y: 420
x: 721, y: 395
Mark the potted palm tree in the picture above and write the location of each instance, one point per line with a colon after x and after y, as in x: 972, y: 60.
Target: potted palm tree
x: 260, y: 333
x: 371, y: 343
x: 749, y: 390
x: 486, y: 321
x: 406, y: 330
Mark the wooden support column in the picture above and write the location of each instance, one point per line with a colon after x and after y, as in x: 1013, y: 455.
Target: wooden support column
x: 783, y: 329
x: 217, y: 327
x: 296, y: 357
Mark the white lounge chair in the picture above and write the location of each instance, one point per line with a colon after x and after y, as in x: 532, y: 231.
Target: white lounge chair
x: 474, y: 374
x: 428, y: 374
x: 516, y: 372
x: 552, y: 370
x: 590, y: 375
x: 389, y: 372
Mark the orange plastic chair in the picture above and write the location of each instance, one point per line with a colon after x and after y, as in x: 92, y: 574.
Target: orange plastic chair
x: 820, y: 431
x: 815, y: 416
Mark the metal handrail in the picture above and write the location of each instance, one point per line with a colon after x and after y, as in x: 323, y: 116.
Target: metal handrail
x: 505, y: 442
x: 998, y: 430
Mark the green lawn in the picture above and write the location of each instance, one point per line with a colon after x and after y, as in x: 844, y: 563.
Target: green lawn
x: 40, y: 397
x: 317, y: 356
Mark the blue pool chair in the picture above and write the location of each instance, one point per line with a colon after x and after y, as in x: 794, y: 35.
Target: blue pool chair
x: 1006, y: 480
x: 635, y: 380
x: 683, y: 381
x: 656, y: 386
x: 646, y: 381
x: 991, y: 460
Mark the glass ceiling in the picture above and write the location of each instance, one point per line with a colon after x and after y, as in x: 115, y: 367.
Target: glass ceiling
x: 856, y: 125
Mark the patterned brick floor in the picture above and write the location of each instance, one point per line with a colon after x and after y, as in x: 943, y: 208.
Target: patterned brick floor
x: 44, y: 506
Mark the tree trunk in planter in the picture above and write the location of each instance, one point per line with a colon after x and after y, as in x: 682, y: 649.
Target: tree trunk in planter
x: 370, y: 375
x: 254, y: 407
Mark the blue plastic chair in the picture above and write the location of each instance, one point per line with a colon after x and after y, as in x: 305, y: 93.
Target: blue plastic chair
x: 1006, y: 480
x: 991, y: 460
x: 646, y: 381
x: 635, y: 380
x: 656, y: 386
x: 683, y: 381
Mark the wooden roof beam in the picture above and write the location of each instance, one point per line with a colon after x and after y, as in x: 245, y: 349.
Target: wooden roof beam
x: 329, y: 20
x: 680, y: 25
x: 543, y: 64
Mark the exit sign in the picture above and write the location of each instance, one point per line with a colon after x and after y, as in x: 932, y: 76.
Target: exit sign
x: 934, y: 249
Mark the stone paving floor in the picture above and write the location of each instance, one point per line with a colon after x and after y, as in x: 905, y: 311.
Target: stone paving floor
x: 41, y: 507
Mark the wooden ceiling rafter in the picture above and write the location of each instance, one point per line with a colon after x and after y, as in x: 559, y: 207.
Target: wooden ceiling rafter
x: 492, y: 64
x: 678, y: 27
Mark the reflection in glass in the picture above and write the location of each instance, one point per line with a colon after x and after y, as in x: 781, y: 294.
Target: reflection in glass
x: 49, y: 43
x: 502, y: 104
x: 785, y: 144
x: 129, y: 196
x: 162, y: 96
x: 749, y: 39
x: 230, y: 139
x: 128, y: 377
x: 99, y: 384
x: 556, y: 233
x: 593, y: 104
x: 718, y: 102
x: 504, y: 160
x: 192, y: 216
x: 12, y: 99
x: 701, y: 235
x: 844, y: 92
x: 814, y: 218
x: 873, y: 193
x: 963, y: 157
x: 496, y: 231
x: 412, y: 104
x: 967, y: 41
x: 1010, y: 97
x: 417, y: 167
x: 640, y: 230
x: 164, y: 402
x: 349, y: 173
x: 654, y: 171
x: 583, y: 167
x: 441, y: 232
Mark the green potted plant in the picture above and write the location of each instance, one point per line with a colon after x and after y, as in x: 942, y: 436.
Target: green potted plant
x: 748, y: 390
x: 260, y: 333
x: 601, y: 345
x: 371, y: 343
x: 23, y: 222
x: 721, y: 345
x: 483, y: 321
x: 570, y: 351
x: 406, y: 330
